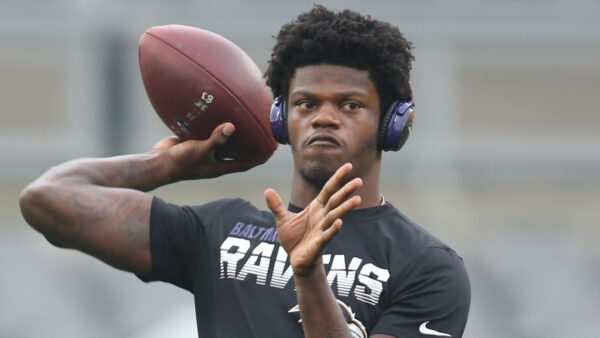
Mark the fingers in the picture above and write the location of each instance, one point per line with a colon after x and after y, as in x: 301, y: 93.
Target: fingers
x: 275, y: 205
x: 333, y: 183
x: 337, y: 213
x: 219, y: 136
x: 329, y: 233
x: 332, y: 195
x: 166, y: 143
x: 342, y: 194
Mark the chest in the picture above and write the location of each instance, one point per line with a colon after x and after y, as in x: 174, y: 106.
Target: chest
x: 250, y: 270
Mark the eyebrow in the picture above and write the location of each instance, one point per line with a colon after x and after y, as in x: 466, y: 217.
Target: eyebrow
x: 342, y: 95
x: 355, y: 93
x: 301, y: 93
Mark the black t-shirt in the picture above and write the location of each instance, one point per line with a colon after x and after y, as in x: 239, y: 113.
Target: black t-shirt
x: 389, y: 275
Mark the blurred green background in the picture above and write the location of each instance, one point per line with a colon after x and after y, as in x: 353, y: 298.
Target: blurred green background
x: 503, y: 163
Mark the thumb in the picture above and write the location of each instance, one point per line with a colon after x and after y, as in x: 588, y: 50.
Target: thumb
x: 274, y: 203
x: 220, y: 134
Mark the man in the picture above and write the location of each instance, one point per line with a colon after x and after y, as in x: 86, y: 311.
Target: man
x: 339, y: 261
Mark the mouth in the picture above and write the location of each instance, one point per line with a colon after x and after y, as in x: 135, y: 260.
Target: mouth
x: 323, y: 140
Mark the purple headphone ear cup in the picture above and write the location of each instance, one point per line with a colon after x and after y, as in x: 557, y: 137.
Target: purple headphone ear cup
x: 394, y: 127
x: 278, y: 120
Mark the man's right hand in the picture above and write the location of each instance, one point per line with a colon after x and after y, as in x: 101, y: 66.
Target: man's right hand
x: 195, y: 159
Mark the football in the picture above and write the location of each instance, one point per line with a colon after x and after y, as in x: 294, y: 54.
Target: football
x: 196, y: 80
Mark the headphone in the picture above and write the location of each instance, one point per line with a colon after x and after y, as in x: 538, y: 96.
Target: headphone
x: 394, y: 129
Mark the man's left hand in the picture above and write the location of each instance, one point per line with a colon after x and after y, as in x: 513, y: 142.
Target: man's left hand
x: 305, y: 235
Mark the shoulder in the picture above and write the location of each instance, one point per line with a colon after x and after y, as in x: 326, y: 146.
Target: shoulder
x: 415, y: 238
x: 435, y: 264
x: 429, y: 263
x: 385, y: 231
x: 416, y: 255
x: 428, y: 284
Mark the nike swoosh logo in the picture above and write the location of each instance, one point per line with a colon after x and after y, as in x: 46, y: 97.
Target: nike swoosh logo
x: 425, y: 330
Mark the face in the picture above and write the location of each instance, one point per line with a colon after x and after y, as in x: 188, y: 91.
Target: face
x: 333, y: 117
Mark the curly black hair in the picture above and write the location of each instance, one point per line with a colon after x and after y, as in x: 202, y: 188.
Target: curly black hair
x: 345, y: 38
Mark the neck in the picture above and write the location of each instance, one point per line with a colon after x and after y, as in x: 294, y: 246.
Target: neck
x: 303, y: 192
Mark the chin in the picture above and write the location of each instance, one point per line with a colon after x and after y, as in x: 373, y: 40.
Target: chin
x: 319, y: 172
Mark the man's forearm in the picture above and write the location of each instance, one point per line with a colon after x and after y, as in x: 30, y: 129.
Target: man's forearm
x: 321, y: 315
x: 143, y: 172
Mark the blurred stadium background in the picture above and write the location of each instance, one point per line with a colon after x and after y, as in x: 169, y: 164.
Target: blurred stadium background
x: 503, y: 164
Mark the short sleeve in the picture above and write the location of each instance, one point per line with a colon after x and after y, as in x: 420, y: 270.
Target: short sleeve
x: 175, y: 233
x: 431, y: 298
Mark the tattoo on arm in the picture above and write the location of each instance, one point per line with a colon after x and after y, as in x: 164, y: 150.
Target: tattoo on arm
x: 99, y: 206
x: 111, y: 224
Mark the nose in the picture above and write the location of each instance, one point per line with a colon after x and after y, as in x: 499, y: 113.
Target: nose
x: 326, y: 117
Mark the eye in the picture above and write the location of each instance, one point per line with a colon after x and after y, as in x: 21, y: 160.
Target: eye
x: 305, y: 105
x: 351, y: 106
